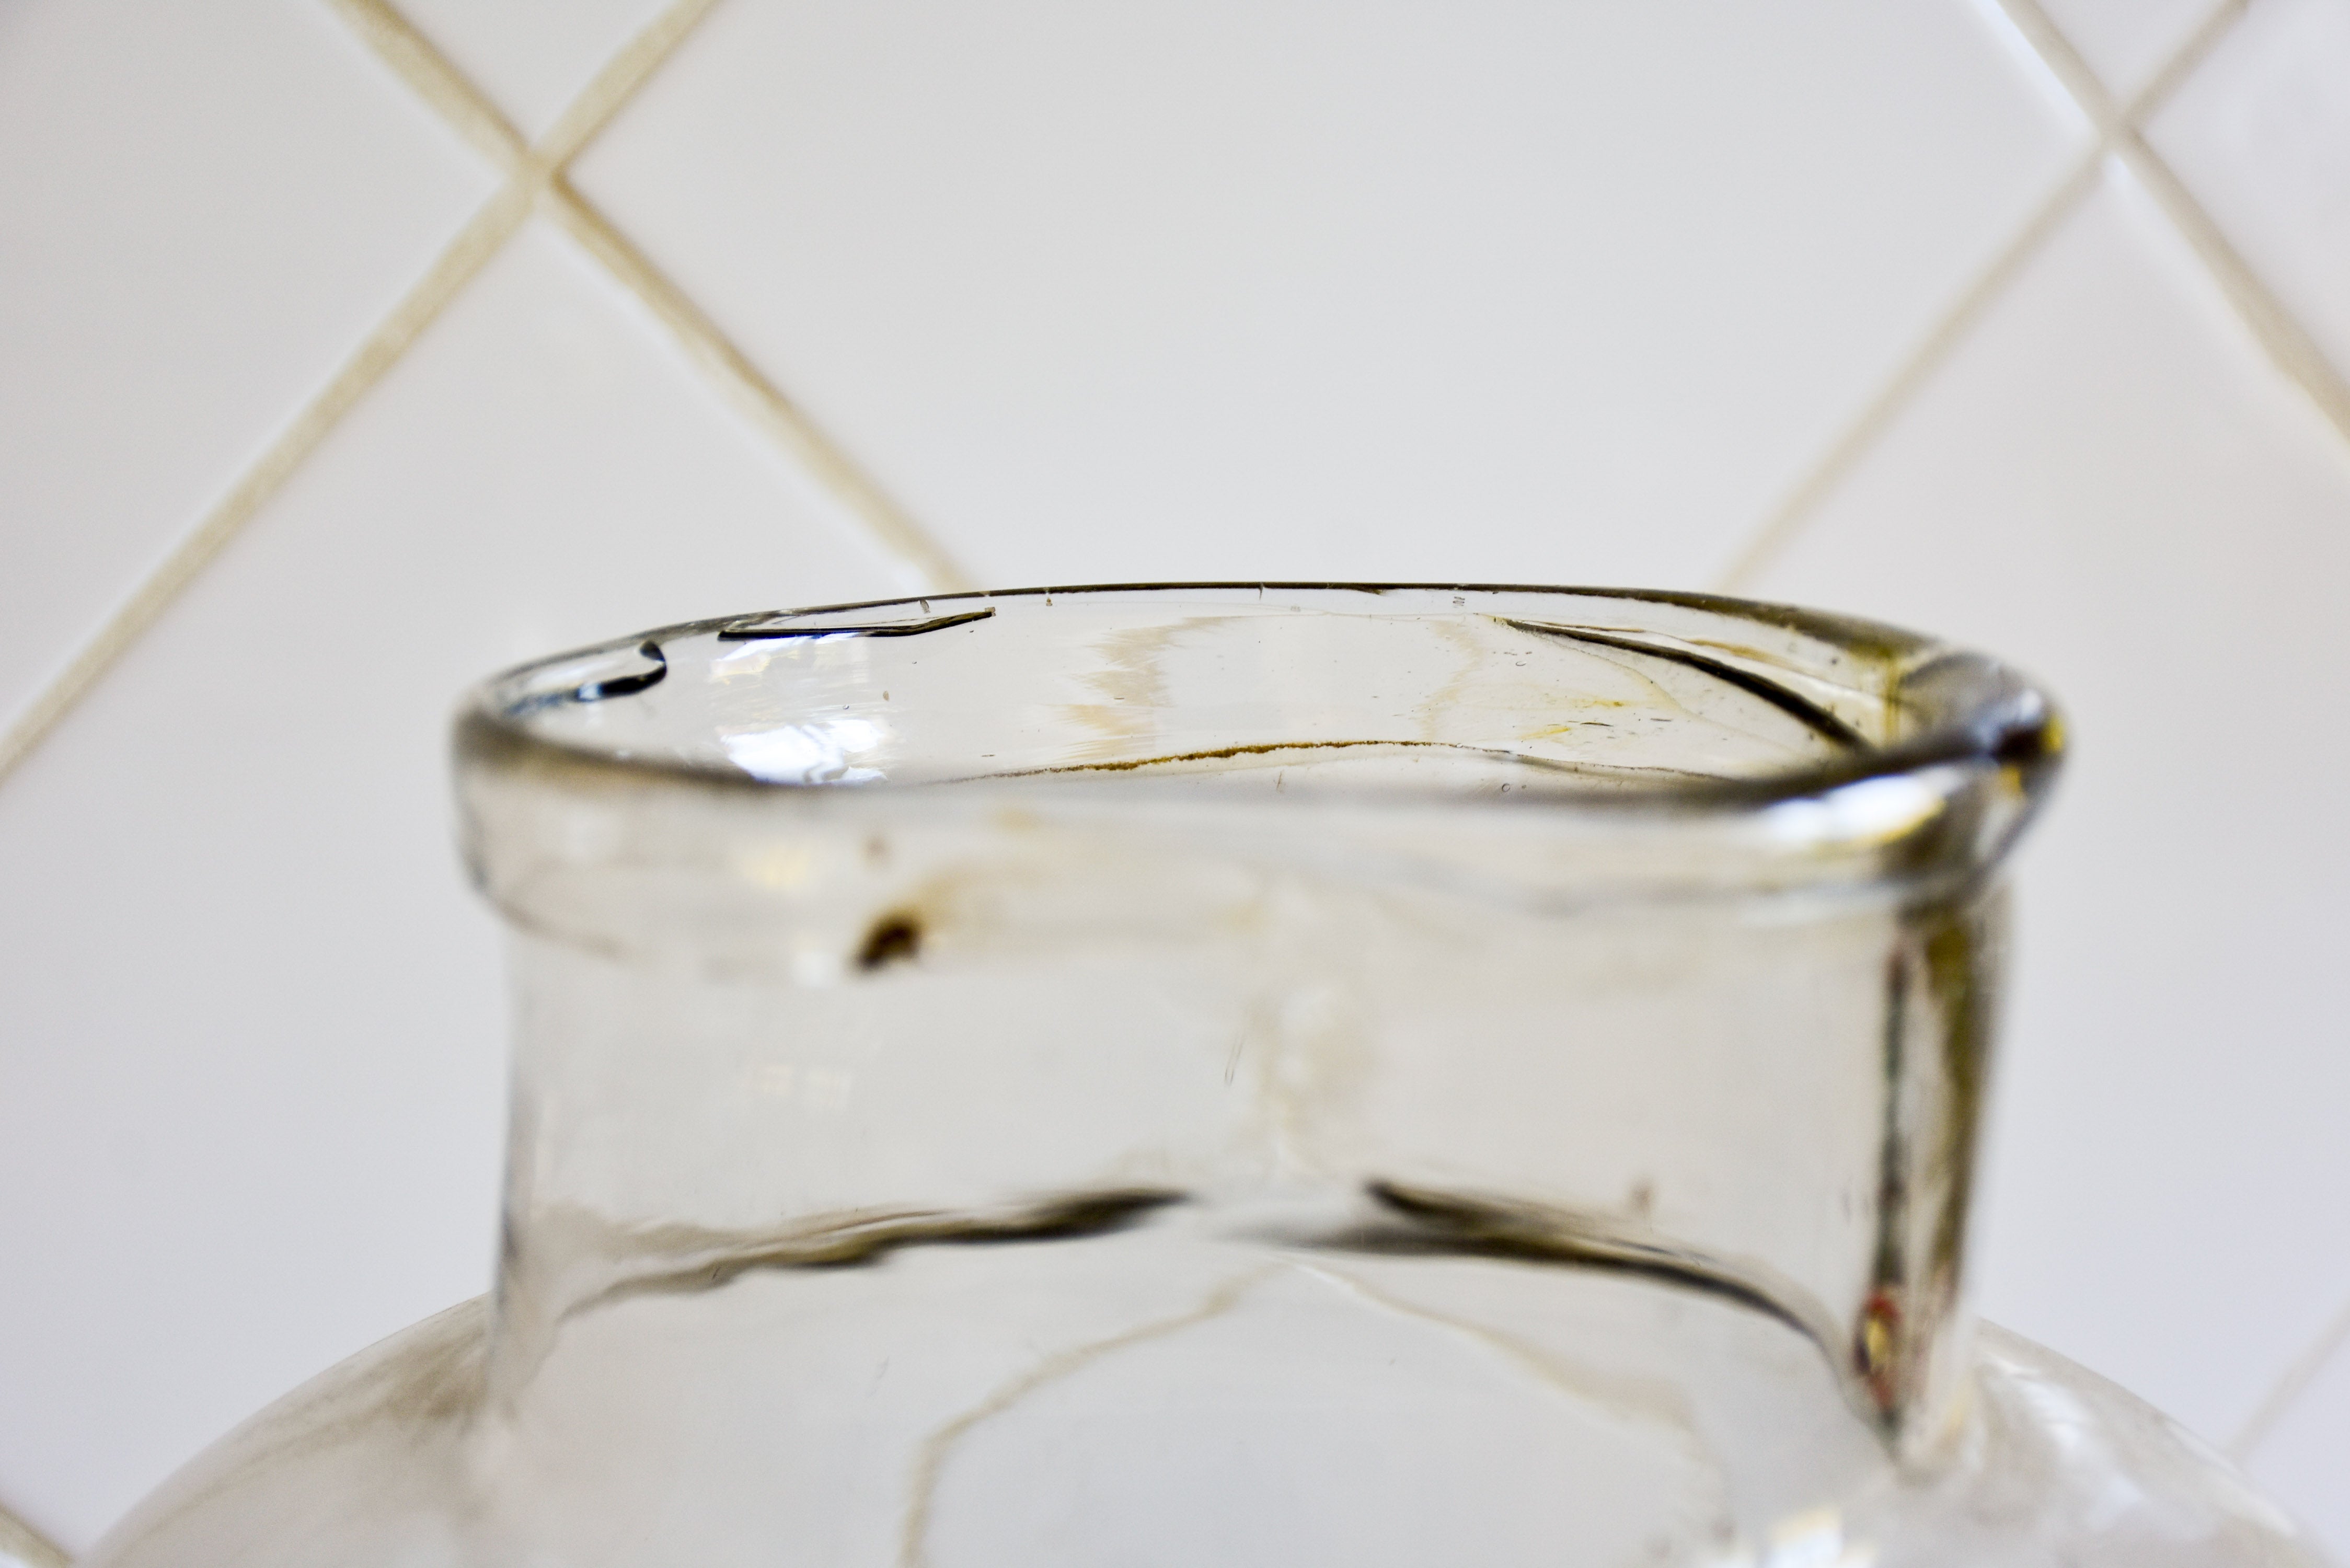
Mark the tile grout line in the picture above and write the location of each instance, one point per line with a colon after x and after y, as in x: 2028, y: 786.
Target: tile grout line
x: 614, y: 86
x: 20, y: 1542
x: 430, y: 75
x: 531, y: 172
x: 753, y: 394
x: 2286, y: 342
x: 536, y: 178
x: 2291, y: 1384
x: 1786, y: 519
x: 529, y: 175
x: 2290, y: 349
x: 735, y: 375
x: 416, y: 62
x: 458, y: 262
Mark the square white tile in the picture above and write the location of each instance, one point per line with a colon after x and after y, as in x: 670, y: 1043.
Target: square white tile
x: 2262, y: 135
x: 1309, y: 290
x: 1507, y: 292
x: 531, y: 57
x: 2126, y: 42
x: 2304, y: 1459
x: 2112, y: 487
x: 204, y: 209
x: 255, y: 1031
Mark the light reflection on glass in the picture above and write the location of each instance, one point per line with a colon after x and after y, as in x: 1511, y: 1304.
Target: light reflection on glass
x: 818, y: 752
x: 740, y: 665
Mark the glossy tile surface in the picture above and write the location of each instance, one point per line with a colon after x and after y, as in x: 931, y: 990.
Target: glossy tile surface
x: 203, y: 211
x: 1558, y: 294
x: 2304, y: 1459
x: 2125, y: 42
x: 532, y: 57
x: 2109, y: 485
x: 2261, y: 135
x: 254, y: 1042
x: 1499, y: 291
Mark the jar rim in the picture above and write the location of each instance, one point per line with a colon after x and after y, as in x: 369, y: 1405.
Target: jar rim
x: 1956, y: 707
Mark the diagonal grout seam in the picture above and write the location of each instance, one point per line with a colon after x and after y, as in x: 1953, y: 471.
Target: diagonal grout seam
x: 2288, y: 346
x: 1785, y: 520
x: 2116, y: 135
x: 20, y: 1542
x: 738, y: 379
x: 623, y: 76
x: 2287, y: 343
x: 473, y: 246
x: 2291, y: 1384
x: 753, y: 393
x: 490, y: 228
x: 430, y: 77
x: 2278, y: 334
x: 534, y: 176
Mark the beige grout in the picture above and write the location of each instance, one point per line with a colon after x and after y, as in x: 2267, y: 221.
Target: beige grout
x: 2291, y: 1384
x: 2287, y: 344
x: 2046, y: 40
x: 537, y: 176
x: 534, y: 176
x: 473, y: 246
x: 20, y: 1542
x: 752, y: 392
x: 2191, y: 54
x: 2116, y: 134
x: 429, y: 74
x: 737, y: 377
x: 1780, y: 526
x: 620, y: 80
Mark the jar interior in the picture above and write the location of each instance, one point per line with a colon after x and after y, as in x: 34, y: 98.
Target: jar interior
x: 1457, y: 691
x: 872, y: 1119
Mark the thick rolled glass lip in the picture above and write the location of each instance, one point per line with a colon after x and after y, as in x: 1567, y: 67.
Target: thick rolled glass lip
x: 1956, y: 706
x: 1954, y: 758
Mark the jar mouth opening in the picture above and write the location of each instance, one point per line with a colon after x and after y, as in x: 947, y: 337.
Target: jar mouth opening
x: 1515, y: 697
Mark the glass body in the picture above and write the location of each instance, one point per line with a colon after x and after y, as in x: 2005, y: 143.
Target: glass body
x: 1235, y: 1076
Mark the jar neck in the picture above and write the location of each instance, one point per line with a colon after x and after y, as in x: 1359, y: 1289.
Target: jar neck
x: 986, y: 1031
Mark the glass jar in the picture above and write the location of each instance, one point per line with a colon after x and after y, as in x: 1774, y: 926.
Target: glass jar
x: 1236, y: 1076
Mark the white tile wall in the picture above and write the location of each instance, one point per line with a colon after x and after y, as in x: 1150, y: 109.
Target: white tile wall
x: 1502, y: 290
x: 2126, y: 41
x: 252, y: 1051
x: 1493, y: 292
x: 202, y: 209
x: 2110, y: 484
x: 2304, y: 1454
x: 530, y: 57
x: 2260, y: 135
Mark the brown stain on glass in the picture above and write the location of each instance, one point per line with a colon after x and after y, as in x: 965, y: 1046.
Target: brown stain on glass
x: 747, y: 630
x: 1941, y: 1012
x: 1445, y: 1224
x: 1961, y: 947
x: 1881, y: 1335
x: 861, y: 1241
x: 1818, y: 720
x: 895, y: 938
